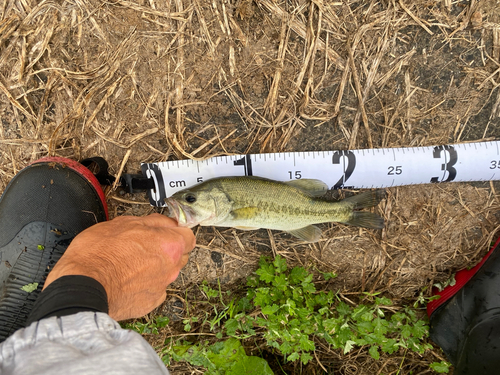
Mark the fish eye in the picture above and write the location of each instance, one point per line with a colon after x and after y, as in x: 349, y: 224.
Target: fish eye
x: 190, y: 198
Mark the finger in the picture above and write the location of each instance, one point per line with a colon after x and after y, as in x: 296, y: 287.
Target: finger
x: 178, y: 235
x: 184, y: 260
x: 158, y: 220
x: 120, y: 219
x: 159, y: 301
x: 189, y: 238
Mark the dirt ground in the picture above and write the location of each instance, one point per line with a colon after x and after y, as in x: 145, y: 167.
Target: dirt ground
x: 155, y: 80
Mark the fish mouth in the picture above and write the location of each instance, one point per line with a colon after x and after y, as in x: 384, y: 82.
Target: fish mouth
x: 183, y: 214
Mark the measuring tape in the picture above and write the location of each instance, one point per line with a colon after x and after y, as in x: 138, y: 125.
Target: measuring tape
x: 355, y: 169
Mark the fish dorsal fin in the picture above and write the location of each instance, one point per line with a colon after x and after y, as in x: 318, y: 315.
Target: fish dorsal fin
x: 316, y: 188
x: 310, y: 233
x: 245, y: 213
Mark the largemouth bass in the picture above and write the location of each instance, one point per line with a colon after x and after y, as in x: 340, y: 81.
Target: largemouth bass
x: 253, y: 202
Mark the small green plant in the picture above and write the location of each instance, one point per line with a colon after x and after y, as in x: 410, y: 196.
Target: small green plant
x: 442, y: 367
x: 222, y: 358
x: 188, y: 322
x: 150, y: 327
x: 450, y: 282
x: 423, y: 300
x: 209, y: 292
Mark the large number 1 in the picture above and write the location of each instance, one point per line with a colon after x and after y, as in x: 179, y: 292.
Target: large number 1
x: 246, y: 162
x: 448, y: 164
x: 351, y: 163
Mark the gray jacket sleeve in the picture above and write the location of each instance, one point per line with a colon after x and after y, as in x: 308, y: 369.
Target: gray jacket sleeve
x: 84, y: 343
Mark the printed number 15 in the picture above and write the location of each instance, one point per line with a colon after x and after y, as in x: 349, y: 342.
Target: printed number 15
x: 297, y: 175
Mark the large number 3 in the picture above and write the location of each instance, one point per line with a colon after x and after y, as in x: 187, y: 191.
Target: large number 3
x: 348, y: 169
x: 448, y: 164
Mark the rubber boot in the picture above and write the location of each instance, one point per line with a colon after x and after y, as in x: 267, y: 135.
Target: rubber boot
x: 465, y: 321
x: 41, y: 210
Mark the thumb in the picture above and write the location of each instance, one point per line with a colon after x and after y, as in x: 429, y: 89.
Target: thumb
x: 158, y: 220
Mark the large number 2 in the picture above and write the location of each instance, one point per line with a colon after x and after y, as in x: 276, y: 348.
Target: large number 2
x: 448, y: 165
x: 351, y: 164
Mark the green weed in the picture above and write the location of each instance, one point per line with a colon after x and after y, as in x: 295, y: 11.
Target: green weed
x: 150, y: 327
x: 283, y: 307
x: 294, y: 314
x: 222, y: 358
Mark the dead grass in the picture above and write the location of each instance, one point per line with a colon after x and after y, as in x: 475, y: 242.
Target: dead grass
x: 145, y: 81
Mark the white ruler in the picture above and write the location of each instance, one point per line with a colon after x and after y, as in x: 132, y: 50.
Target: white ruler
x: 370, y: 168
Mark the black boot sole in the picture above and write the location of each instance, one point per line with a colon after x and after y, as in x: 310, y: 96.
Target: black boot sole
x: 42, y: 209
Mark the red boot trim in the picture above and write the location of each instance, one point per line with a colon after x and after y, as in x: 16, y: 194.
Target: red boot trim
x: 461, y: 278
x: 81, y: 170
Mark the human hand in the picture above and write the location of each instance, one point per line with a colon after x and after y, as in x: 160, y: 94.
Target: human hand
x: 134, y: 258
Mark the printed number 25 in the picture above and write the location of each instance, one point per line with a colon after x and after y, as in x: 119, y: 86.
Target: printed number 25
x: 398, y: 169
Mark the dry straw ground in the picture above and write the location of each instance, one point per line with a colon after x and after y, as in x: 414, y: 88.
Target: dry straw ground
x: 154, y: 80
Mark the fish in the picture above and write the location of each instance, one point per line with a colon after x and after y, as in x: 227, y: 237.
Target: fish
x: 251, y: 202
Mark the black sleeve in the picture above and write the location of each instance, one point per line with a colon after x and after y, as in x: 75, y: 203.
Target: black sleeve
x: 69, y: 295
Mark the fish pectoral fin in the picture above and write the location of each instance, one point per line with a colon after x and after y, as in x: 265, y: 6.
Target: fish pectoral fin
x: 310, y: 233
x: 315, y: 188
x: 246, y: 228
x: 244, y: 213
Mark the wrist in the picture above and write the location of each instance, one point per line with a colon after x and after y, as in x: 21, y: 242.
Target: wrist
x: 70, y: 295
x: 70, y: 268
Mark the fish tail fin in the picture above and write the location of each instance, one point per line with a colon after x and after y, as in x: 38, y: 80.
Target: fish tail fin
x: 366, y: 200
x: 366, y: 220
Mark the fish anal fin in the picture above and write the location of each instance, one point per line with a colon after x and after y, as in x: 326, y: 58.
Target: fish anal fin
x: 315, y: 188
x: 310, y: 233
x: 245, y: 228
